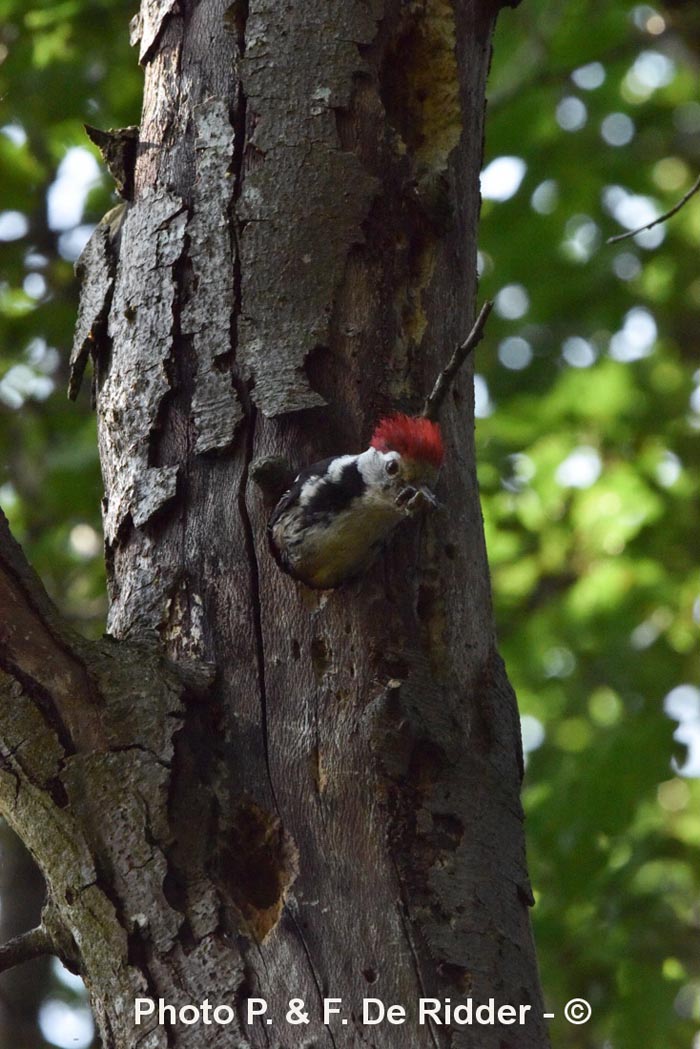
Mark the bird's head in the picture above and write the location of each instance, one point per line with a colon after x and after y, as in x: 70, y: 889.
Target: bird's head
x: 404, y: 458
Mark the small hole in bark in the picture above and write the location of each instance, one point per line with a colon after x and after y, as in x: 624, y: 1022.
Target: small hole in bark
x: 258, y: 865
x: 395, y: 667
x: 245, y: 989
x: 457, y: 975
x: 320, y: 657
x: 70, y: 897
x: 449, y: 828
x: 426, y: 602
x: 318, y: 773
x: 296, y: 649
x: 174, y: 891
x: 370, y: 975
x: 223, y: 362
x: 58, y: 793
x: 186, y: 937
x: 426, y: 763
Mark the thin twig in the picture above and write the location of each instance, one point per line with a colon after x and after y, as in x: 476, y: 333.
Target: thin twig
x: 32, y: 944
x: 433, y: 402
x: 662, y: 218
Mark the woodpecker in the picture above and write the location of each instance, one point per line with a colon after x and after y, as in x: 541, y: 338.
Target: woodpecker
x: 328, y: 527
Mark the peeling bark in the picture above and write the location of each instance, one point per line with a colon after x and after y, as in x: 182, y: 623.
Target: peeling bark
x: 298, y: 184
x: 206, y: 316
x: 146, y: 26
x: 330, y: 807
x: 118, y: 149
x: 95, y: 271
x: 136, y: 382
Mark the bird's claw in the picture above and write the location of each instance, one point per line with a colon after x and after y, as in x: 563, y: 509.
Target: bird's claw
x: 415, y: 500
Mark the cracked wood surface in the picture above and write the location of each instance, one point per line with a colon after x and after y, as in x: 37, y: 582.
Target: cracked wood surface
x: 134, y: 385
x: 297, y: 187
x: 206, y: 317
x: 338, y: 812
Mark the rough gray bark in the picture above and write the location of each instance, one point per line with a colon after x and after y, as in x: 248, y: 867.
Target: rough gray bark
x: 338, y: 814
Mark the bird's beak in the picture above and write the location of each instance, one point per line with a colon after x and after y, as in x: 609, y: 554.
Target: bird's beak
x: 429, y: 497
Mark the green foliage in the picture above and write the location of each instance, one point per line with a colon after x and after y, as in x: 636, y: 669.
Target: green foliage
x: 60, y: 64
x: 589, y: 478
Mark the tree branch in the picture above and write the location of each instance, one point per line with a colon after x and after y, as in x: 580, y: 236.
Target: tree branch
x: 41, y: 651
x: 434, y: 401
x: 662, y: 218
x: 33, y: 944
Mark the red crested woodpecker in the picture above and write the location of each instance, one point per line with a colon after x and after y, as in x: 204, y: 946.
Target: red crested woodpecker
x: 331, y: 523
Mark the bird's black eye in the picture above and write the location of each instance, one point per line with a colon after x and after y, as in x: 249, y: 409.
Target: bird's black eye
x: 392, y: 467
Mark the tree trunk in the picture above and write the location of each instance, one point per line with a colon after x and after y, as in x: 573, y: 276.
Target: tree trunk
x: 258, y: 790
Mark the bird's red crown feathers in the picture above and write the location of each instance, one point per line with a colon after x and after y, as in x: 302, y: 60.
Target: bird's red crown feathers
x: 412, y: 436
